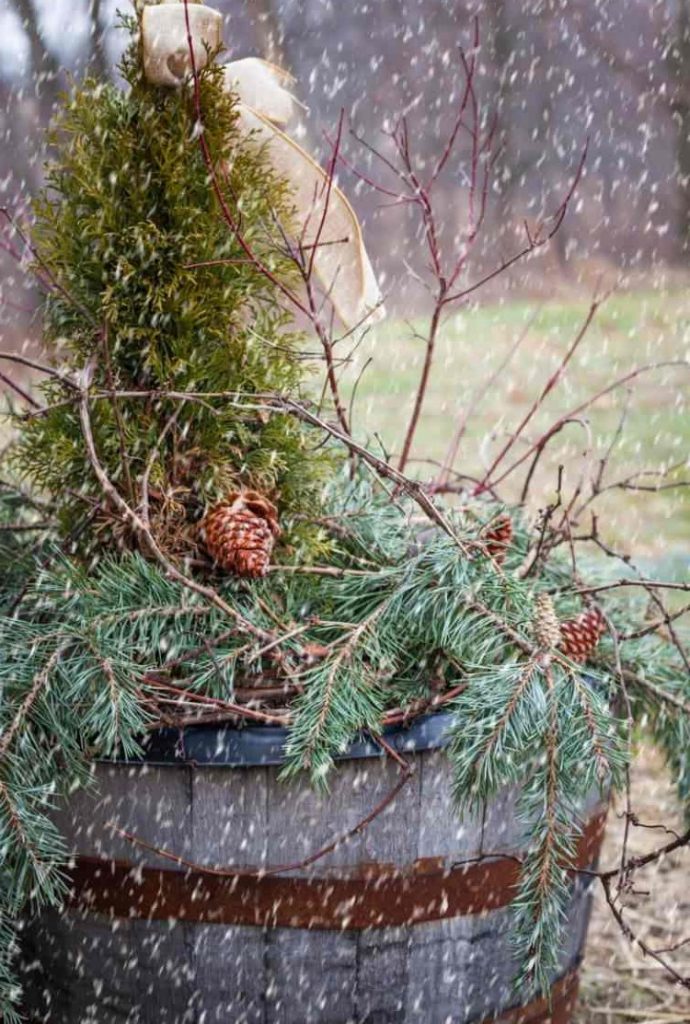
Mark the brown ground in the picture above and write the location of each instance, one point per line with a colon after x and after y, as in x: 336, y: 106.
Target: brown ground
x: 619, y: 984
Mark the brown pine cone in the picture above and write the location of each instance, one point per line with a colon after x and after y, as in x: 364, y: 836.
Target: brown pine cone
x: 580, y: 636
x: 239, y: 533
x: 547, y: 628
x: 498, y: 537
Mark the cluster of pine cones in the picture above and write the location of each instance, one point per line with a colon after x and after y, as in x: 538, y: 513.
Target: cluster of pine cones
x: 576, y: 638
x: 240, y: 532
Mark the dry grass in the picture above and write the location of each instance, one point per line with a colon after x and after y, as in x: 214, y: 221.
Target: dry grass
x: 619, y: 984
x: 631, y: 329
x: 650, y: 322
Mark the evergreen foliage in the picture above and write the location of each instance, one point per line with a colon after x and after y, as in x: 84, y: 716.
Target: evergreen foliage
x: 404, y: 614
x: 128, y: 208
x: 94, y: 651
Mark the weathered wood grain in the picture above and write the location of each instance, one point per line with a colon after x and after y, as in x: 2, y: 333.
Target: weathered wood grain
x: 91, y: 970
x: 228, y: 813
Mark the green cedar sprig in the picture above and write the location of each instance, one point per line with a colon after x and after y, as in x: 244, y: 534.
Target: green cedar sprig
x: 127, y: 213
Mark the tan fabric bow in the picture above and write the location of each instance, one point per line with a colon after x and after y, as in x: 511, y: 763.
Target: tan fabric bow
x: 265, y: 107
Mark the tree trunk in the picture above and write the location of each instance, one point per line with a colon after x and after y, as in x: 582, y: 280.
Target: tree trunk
x: 269, y: 30
x: 501, y: 44
x: 98, y: 58
x: 47, y: 76
x: 680, y: 56
x: 682, y: 120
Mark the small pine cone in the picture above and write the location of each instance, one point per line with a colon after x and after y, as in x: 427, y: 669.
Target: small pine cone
x: 240, y: 532
x: 580, y: 636
x: 547, y: 628
x: 498, y: 537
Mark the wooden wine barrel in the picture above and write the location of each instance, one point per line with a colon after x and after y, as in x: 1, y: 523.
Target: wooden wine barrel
x: 405, y: 922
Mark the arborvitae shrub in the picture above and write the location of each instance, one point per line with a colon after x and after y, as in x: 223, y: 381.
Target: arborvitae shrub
x: 127, y: 207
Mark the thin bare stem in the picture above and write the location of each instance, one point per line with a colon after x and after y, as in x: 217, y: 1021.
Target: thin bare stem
x: 110, y: 381
x: 33, y: 364
x: 454, y: 446
x: 551, y: 383
x: 19, y: 390
x: 576, y: 410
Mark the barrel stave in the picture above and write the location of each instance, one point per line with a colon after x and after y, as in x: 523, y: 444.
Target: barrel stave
x: 87, y: 969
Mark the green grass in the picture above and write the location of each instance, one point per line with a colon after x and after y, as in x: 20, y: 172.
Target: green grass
x: 629, y: 330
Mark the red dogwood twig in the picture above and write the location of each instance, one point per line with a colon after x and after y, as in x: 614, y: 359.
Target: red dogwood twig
x: 551, y: 383
x: 575, y: 412
x: 411, y: 188
x: 302, y: 255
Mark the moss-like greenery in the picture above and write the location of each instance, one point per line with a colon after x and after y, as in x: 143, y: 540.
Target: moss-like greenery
x: 127, y: 208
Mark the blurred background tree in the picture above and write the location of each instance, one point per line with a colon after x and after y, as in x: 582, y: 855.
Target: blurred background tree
x: 556, y: 69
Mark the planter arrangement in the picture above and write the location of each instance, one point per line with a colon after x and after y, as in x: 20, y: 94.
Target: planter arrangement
x: 287, y: 734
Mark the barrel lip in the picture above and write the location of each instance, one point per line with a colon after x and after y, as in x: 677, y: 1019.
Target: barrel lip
x: 250, y: 746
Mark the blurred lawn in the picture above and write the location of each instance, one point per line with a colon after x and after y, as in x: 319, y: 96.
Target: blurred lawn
x: 629, y: 330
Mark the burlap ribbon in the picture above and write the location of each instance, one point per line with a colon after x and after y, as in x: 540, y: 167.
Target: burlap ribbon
x: 322, y: 213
